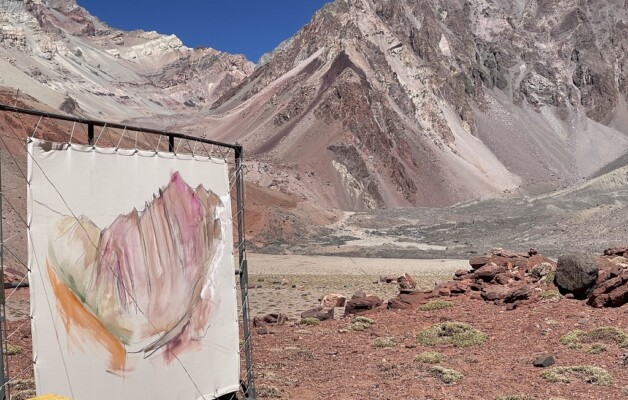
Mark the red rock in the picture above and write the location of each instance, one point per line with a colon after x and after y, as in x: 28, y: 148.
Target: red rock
x: 406, y: 282
x: 517, y: 294
x: 477, y: 262
x: 616, y: 251
x: 504, y: 278
x: 487, y: 272
x: 333, y: 300
x: 356, y: 306
x: 396, y: 304
x: 618, y: 297
x: 461, y: 274
x: 493, y: 293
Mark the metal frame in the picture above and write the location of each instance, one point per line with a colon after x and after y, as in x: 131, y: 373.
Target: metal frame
x: 247, y: 384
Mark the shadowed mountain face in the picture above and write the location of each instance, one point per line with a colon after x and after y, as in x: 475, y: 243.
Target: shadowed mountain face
x: 404, y: 103
x: 373, y: 104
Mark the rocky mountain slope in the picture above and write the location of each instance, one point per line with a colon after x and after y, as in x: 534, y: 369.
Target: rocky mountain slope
x: 56, y: 52
x: 373, y: 104
x: 404, y: 103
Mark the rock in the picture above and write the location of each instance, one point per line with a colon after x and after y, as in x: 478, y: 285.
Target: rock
x: 270, y: 319
x: 576, y: 274
x: 532, y: 252
x: 262, y: 331
x: 405, y: 281
x: 618, y: 297
x: 539, y: 271
x: 504, y: 278
x: 478, y: 262
x: 493, y: 293
x: 362, y: 304
x: 544, y: 362
x: 487, y: 272
x: 521, y: 293
x: 333, y: 300
x: 396, y: 304
x: 358, y: 294
x: 320, y: 313
x: 616, y: 251
x: 461, y: 274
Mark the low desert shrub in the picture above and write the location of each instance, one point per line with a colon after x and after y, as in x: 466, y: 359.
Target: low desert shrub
x: 13, y: 349
x: 604, y: 335
x: 310, y: 321
x: 597, y: 348
x: 458, y: 334
x: 385, y: 342
x: 360, y: 324
x: 586, y: 373
x: 429, y: 357
x: 436, y: 305
x: 446, y: 375
x: 549, y: 294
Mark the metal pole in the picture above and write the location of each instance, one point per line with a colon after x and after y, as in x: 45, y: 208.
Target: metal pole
x: 90, y: 134
x: 4, y: 390
x: 244, y: 274
x: 171, y: 144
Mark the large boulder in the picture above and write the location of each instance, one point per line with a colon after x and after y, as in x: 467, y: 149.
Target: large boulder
x: 576, y: 274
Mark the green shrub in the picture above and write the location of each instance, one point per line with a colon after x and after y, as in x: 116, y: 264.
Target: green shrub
x: 310, y: 321
x: 429, y: 357
x: 597, y: 348
x: 446, y: 375
x: 436, y: 305
x: 13, y: 349
x: 549, y: 294
x: 458, y: 334
x: 385, y: 342
x: 360, y: 324
x: 587, y: 373
x: 604, y: 335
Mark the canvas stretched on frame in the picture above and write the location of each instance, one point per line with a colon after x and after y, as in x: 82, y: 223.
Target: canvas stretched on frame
x: 89, y: 308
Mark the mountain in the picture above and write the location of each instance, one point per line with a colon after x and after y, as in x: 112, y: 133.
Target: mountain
x: 373, y: 104
x: 399, y: 103
x: 59, y: 54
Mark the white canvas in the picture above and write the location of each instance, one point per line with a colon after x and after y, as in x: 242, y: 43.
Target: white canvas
x: 132, y: 274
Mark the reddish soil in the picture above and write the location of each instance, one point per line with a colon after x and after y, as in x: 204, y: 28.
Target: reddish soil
x: 328, y: 362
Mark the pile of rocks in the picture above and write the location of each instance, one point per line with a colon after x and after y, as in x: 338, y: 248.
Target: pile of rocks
x: 501, y: 277
x: 504, y: 277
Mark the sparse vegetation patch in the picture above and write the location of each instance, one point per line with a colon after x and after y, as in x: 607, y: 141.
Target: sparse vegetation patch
x: 586, y: 373
x: 458, y: 334
x: 549, y: 294
x: 13, y: 349
x: 436, y: 305
x: 429, y: 357
x: 310, y: 321
x: 595, y: 337
x: 360, y: 324
x: 446, y: 375
x: 385, y: 342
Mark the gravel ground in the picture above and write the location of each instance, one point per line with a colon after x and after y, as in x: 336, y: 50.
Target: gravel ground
x: 292, y: 284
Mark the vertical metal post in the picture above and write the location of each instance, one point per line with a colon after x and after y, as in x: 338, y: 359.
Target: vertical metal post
x: 244, y: 274
x: 90, y: 134
x: 4, y: 392
x: 171, y: 144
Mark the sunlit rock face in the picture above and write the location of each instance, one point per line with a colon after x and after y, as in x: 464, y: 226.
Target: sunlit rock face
x: 148, y: 276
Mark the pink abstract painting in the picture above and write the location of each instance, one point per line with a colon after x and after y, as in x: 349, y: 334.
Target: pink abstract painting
x: 144, y: 284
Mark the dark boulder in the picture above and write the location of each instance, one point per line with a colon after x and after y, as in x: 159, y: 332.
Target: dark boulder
x: 576, y: 274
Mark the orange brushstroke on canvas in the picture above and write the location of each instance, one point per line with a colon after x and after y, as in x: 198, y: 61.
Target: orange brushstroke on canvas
x: 74, y: 314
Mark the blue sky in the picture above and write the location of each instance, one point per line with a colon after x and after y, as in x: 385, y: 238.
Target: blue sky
x: 249, y: 27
